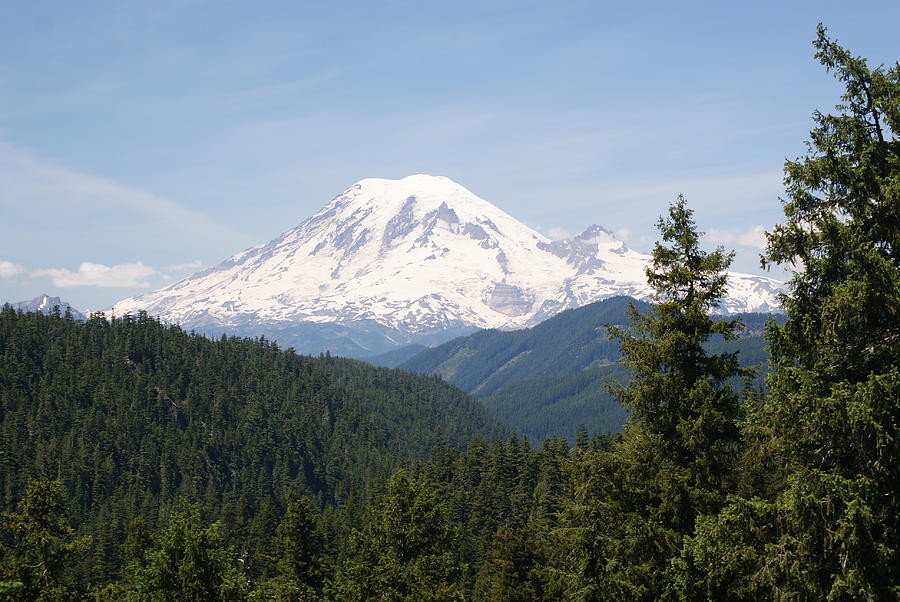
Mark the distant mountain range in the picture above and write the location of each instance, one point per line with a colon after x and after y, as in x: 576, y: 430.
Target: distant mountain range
x: 418, y: 260
x: 546, y: 380
x: 45, y: 304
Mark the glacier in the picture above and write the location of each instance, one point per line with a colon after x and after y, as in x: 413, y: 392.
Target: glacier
x: 418, y: 259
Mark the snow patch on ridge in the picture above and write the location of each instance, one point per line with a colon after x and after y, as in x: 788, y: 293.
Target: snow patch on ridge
x: 417, y: 254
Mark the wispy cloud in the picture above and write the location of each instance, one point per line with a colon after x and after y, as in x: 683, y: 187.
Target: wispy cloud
x: 55, y: 217
x: 126, y: 275
x: 9, y: 269
x: 754, y: 236
x: 35, y: 186
x: 557, y: 233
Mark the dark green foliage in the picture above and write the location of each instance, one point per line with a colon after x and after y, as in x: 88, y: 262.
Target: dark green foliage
x: 674, y: 461
x: 300, y: 551
x: 188, y: 563
x: 406, y: 550
x: 512, y: 570
x: 835, y: 387
x: 130, y: 415
x: 833, y: 412
x: 498, y: 495
x: 38, y: 544
x: 140, y: 540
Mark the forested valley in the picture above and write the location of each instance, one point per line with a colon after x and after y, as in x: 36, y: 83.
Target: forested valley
x: 552, y: 379
x: 142, y: 462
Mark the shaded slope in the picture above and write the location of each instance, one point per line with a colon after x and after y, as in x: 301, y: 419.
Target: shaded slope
x: 131, y: 414
x: 395, y: 357
x: 555, y: 406
x: 488, y: 360
x: 546, y: 380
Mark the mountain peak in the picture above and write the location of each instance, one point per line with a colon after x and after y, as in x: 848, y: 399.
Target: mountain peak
x: 420, y: 254
x: 417, y: 179
x: 412, y: 184
x: 419, y: 210
x: 595, y: 234
x: 45, y: 303
x: 424, y: 191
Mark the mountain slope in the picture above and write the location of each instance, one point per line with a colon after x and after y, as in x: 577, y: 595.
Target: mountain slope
x: 415, y: 260
x: 572, y: 341
x: 130, y: 415
x: 395, y: 357
x: 45, y: 304
x: 546, y: 380
x: 555, y: 406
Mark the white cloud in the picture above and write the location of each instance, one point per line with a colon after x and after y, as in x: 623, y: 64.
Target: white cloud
x: 125, y: 275
x: 9, y: 269
x: 623, y: 234
x: 557, y: 233
x: 754, y: 236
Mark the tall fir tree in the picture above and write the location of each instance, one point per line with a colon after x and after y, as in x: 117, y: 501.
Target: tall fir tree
x: 41, y: 546
x: 835, y: 387
x: 406, y: 552
x: 681, y: 394
x: 832, y: 530
x: 635, y: 502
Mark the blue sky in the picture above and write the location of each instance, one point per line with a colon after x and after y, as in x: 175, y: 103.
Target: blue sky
x: 141, y: 141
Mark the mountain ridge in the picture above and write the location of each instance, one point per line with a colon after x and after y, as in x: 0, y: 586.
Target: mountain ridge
x: 44, y: 303
x: 546, y: 380
x: 417, y: 258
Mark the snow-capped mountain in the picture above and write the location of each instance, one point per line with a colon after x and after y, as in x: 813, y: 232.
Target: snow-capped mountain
x: 409, y: 258
x: 45, y: 304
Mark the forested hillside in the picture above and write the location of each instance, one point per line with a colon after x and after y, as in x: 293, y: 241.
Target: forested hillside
x: 488, y: 360
x: 547, y: 380
x: 130, y: 415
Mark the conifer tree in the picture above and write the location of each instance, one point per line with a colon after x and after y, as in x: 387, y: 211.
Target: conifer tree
x: 300, y: 547
x: 833, y: 413
x: 189, y: 563
x: 138, y: 542
x: 42, y: 544
x: 511, y: 571
x: 406, y: 551
x: 635, y: 502
x: 678, y: 392
x: 835, y: 387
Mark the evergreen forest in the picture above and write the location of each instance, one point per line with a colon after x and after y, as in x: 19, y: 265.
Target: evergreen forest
x: 140, y: 462
x: 549, y: 380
